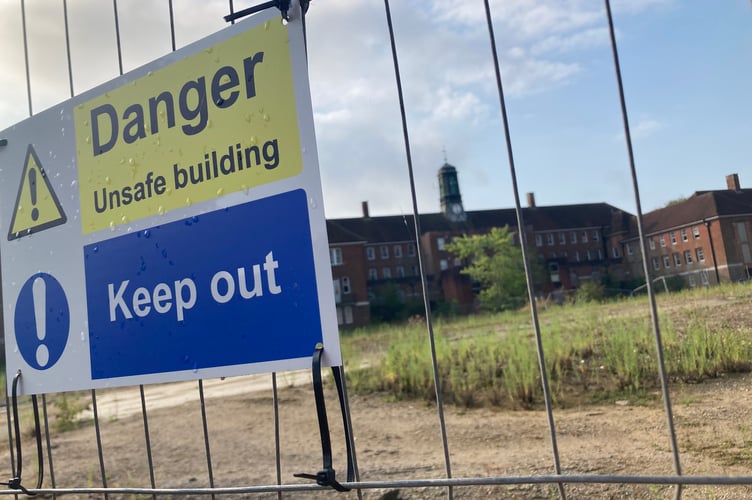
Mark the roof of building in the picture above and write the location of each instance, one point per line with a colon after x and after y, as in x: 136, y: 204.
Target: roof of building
x: 550, y: 218
x: 699, y: 206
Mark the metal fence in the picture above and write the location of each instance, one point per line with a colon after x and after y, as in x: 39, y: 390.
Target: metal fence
x: 198, y: 421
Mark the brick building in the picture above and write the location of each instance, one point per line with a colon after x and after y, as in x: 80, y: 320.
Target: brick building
x: 704, y: 239
x: 572, y: 242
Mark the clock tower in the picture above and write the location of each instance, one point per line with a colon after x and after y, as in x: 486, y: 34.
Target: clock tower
x: 449, y: 194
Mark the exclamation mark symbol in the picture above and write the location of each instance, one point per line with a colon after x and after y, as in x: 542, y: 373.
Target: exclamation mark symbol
x: 33, y: 191
x: 39, y: 290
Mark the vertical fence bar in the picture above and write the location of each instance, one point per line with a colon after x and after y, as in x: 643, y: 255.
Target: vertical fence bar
x: 67, y: 46
x: 26, y: 55
x: 277, y: 451
x: 349, y: 428
x: 117, y: 37
x: 172, y: 27
x: 140, y: 387
x: 94, y: 406
x: 426, y: 301
x: 525, y: 257
x: 206, y: 435
x: 643, y: 248
x: 148, y: 440
x: 10, y: 436
x: 98, y: 433
x: 49, y: 444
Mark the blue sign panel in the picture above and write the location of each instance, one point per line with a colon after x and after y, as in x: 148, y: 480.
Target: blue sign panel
x: 42, y: 321
x: 230, y: 287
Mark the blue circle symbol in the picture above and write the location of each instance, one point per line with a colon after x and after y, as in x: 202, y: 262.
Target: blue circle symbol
x: 42, y: 321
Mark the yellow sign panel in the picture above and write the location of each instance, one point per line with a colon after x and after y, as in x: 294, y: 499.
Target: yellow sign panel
x: 216, y: 122
x: 37, y: 207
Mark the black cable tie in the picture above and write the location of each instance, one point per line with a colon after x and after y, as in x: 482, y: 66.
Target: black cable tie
x: 327, y: 476
x: 282, y: 5
x: 15, y: 482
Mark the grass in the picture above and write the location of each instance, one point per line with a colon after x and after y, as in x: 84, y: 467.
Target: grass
x: 593, y: 352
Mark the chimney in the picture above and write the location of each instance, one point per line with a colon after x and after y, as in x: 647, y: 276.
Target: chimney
x: 531, y: 200
x: 732, y: 182
x: 364, y: 206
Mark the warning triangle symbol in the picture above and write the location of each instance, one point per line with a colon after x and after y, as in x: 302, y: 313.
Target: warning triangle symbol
x: 37, y: 208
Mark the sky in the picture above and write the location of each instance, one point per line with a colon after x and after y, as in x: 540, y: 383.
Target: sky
x: 686, y: 67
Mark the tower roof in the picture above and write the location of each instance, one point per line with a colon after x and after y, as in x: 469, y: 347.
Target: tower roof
x: 446, y: 167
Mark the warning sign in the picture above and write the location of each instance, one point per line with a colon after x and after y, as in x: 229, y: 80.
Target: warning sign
x: 37, y: 207
x: 191, y: 236
x: 219, y: 121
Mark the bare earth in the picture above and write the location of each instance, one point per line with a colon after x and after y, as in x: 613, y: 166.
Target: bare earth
x: 402, y: 441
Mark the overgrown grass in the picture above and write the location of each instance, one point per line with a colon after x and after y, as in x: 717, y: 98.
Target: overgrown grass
x: 592, y: 352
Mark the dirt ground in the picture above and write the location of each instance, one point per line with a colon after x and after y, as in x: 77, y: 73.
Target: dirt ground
x: 398, y: 441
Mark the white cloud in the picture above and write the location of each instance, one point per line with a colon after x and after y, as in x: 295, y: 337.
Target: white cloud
x: 645, y: 128
x: 444, y: 56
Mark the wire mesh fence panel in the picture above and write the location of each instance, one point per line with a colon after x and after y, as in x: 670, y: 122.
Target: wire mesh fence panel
x: 547, y: 389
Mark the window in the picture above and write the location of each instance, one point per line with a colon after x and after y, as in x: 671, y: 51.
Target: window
x: 629, y: 249
x: 550, y: 237
x: 386, y: 273
x: 651, y: 243
x: 337, y: 292
x: 539, y: 240
x: 587, y: 255
x: 440, y: 242
x: 615, y: 252
x: 384, y: 250
x: 584, y: 237
x: 666, y: 261
x: 663, y: 241
x: 553, y: 255
x: 398, y: 251
x: 696, y: 232
x: 704, y: 278
x: 677, y: 259
x: 415, y: 270
x: 573, y: 237
x: 457, y: 262
x: 335, y: 256
x: 692, y: 281
x: 411, y: 249
x: 443, y: 264
x: 577, y: 256
x: 600, y: 254
x: 700, y: 255
x: 684, y: 234
x: 687, y: 257
x: 596, y: 236
x: 373, y: 275
x: 371, y: 253
x: 400, y: 272
x: 348, y: 315
x: 656, y: 264
x: 562, y: 238
x: 345, y: 284
x: 339, y: 316
x: 672, y: 234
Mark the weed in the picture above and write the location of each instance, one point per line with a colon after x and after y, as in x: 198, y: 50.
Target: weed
x: 593, y: 352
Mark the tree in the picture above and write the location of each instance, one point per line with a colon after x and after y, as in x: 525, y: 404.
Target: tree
x: 497, y: 265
